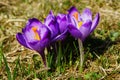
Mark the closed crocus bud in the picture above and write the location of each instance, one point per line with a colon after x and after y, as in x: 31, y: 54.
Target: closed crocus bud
x: 52, y: 24
x: 35, y: 36
x: 81, y: 25
x: 57, y: 26
x: 62, y: 21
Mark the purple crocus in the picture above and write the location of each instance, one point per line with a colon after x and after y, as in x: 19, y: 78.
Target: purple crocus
x: 35, y: 36
x: 81, y: 25
x: 52, y: 24
x: 57, y: 26
x: 62, y: 20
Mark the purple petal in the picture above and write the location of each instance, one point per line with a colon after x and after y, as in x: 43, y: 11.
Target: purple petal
x: 52, y: 24
x: 85, y: 29
x: 29, y: 35
x: 27, y: 31
x: 63, y: 22
x: 44, y: 32
x: 21, y: 39
x: 53, y: 27
x: 31, y: 23
x: 39, y: 45
x: 72, y: 20
x: 49, y: 18
x: 72, y: 10
x: 86, y: 15
x: 95, y: 22
x: 74, y: 13
x: 74, y: 31
x: 59, y: 17
x: 60, y: 36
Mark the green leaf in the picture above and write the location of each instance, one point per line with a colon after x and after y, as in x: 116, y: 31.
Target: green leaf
x: 7, y: 68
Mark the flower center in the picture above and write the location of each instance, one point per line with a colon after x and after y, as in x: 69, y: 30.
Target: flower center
x: 36, y: 37
x: 75, y: 14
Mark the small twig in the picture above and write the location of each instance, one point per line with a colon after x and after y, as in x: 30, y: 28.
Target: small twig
x: 97, y: 55
x: 37, y: 71
x: 63, y: 76
x: 1, y: 39
x: 103, y: 70
x: 77, y: 64
x: 14, y: 20
x: 117, y: 67
x: 105, y: 74
x: 111, y: 12
x: 115, y: 14
x: 3, y: 4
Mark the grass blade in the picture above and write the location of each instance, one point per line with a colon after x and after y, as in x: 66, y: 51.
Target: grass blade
x: 16, y: 69
x: 7, y: 68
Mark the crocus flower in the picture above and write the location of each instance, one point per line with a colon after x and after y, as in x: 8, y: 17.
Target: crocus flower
x: 35, y: 36
x: 62, y: 20
x: 57, y: 26
x: 52, y: 24
x: 81, y: 25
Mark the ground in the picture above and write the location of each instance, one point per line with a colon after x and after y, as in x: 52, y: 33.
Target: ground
x: 101, y: 48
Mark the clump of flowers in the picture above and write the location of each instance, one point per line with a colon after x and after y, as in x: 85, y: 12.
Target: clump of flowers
x: 37, y: 35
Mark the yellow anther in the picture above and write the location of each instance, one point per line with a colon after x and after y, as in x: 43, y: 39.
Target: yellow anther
x: 36, y: 37
x: 80, y: 24
x: 76, y: 15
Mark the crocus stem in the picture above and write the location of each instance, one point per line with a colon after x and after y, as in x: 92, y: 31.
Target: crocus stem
x: 59, y: 54
x: 55, y: 49
x: 43, y: 57
x: 81, y: 53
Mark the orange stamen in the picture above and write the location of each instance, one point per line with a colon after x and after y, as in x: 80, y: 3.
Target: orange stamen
x: 76, y: 15
x: 37, y: 37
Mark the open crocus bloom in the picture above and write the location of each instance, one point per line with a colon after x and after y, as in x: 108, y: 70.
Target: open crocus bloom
x: 81, y: 25
x: 57, y: 26
x: 35, y: 36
